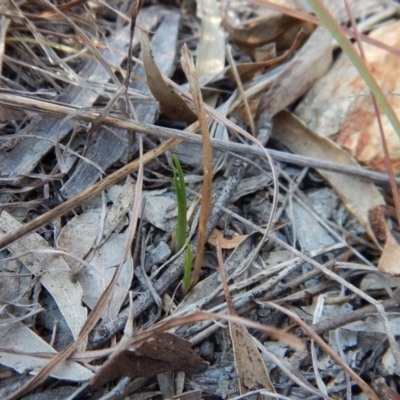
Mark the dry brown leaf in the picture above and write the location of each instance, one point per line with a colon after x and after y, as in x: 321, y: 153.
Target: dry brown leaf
x: 339, y: 105
x: 357, y: 194
x: 360, y: 132
x: 275, y: 27
x: 171, y: 103
x: 389, y: 261
x: 250, y: 366
x: 380, y: 220
x: 225, y: 243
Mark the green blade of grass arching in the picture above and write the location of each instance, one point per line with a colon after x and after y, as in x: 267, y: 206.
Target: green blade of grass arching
x: 180, y: 190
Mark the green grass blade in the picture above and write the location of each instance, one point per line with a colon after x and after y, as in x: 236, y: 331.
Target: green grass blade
x: 180, y: 189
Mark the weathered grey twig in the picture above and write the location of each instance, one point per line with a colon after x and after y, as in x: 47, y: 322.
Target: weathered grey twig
x: 24, y: 102
x: 358, y: 315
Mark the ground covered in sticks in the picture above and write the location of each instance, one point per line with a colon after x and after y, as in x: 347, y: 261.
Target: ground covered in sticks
x: 198, y: 199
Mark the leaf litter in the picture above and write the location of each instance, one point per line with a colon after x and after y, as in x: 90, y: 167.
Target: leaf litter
x: 85, y: 257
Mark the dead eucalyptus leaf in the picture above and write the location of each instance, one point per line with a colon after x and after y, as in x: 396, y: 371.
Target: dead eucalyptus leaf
x: 55, y: 274
x: 78, y: 235
x: 250, y: 366
x: 389, y: 261
x: 20, y: 337
x: 357, y: 194
x: 104, y: 262
x: 339, y: 104
x: 171, y: 103
x: 360, y: 132
x: 224, y: 242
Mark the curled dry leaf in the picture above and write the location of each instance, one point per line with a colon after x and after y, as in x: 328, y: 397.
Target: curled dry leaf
x: 171, y: 103
x: 248, y: 70
x: 386, y: 230
x: 274, y: 27
x: 224, y: 242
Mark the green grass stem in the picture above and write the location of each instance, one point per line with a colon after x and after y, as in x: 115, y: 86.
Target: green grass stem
x: 181, y: 199
x: 180, y: 190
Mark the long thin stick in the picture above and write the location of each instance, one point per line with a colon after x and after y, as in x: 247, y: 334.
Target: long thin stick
x: 36, y: 105
x: 190, y: 71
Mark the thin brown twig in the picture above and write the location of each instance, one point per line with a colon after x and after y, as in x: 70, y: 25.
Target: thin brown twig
x: 361, y: 383
x: 190, y: 71
x: 47, y: 107
x: 239, y: 85
x: 357, y: 315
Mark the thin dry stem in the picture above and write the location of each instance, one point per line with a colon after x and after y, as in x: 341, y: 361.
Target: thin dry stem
x: 363, y: 385
x: 239, y: 85
x: 188, y: 67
